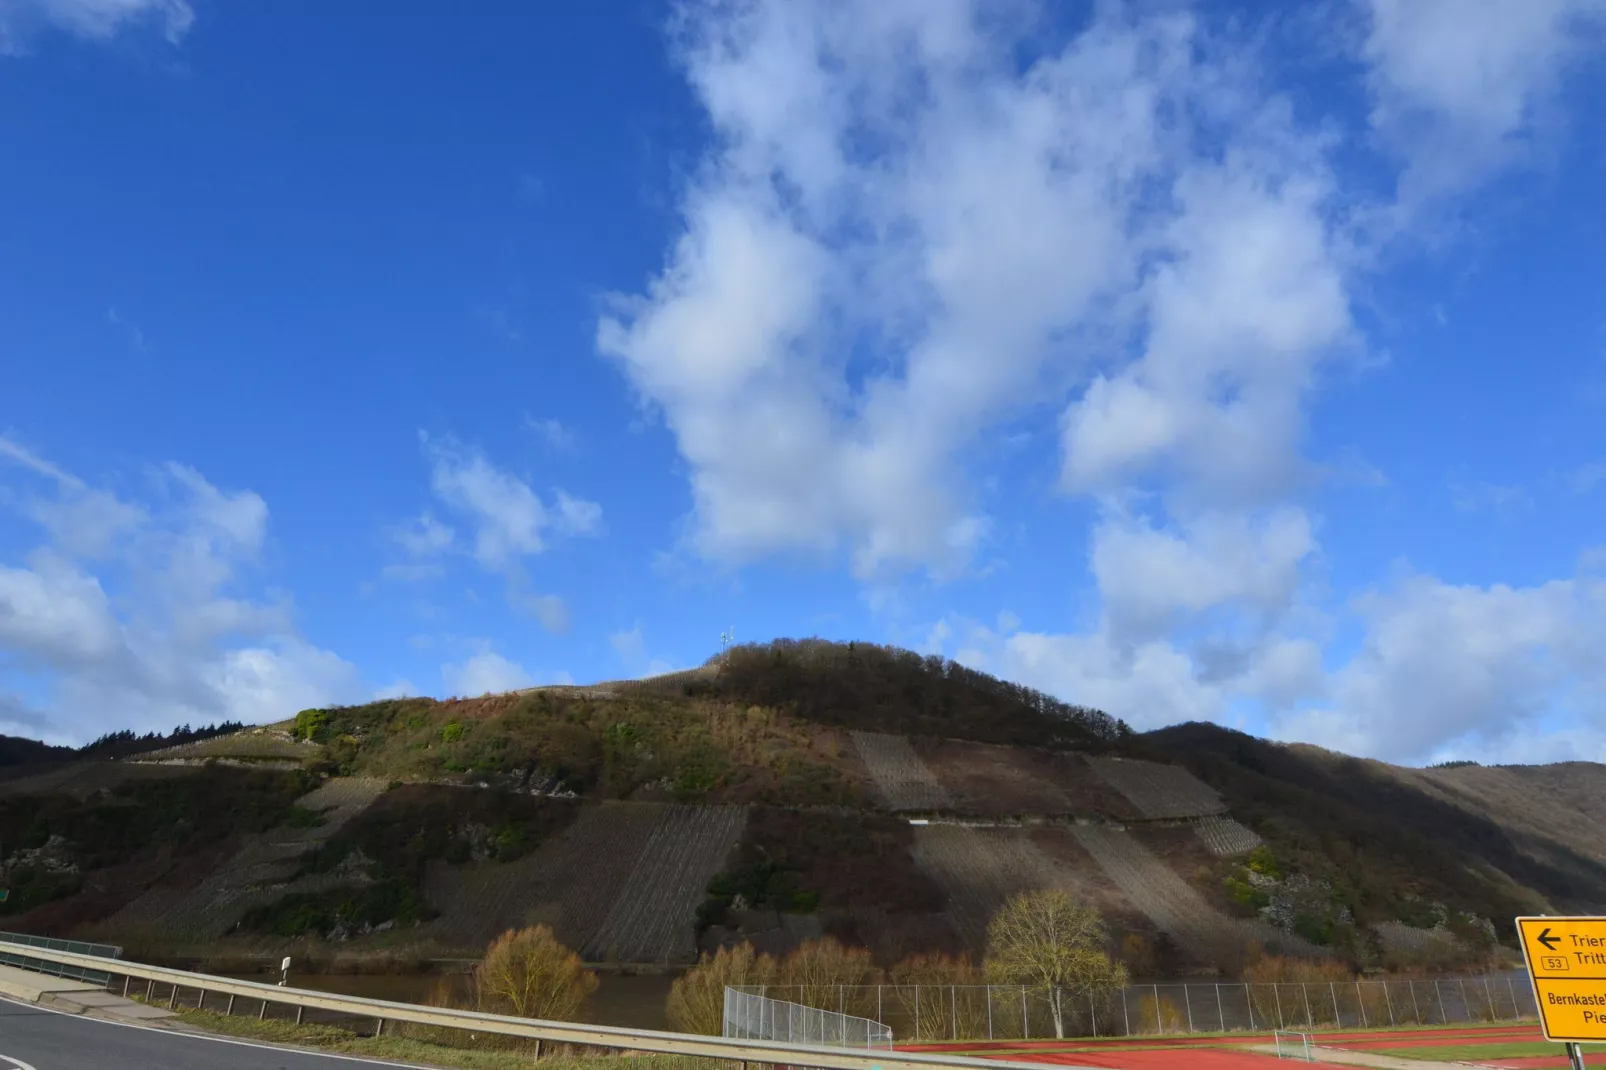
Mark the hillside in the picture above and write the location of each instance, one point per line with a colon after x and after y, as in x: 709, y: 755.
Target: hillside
x: 785, y: 791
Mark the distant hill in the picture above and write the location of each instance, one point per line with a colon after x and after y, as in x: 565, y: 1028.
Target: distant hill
x: 771, y: 795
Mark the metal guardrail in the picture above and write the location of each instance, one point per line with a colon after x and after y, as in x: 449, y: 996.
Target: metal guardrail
x: 77, y: 973
x: 600, y: 1036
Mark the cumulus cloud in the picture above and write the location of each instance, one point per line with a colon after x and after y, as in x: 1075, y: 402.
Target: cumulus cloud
x: 507, y: 523
x: 1472, y: 666
x: 485, y: 673
x: 1460, y: 87
x: 92, y: 20
x: 902, y: 236
x: 140, y: 612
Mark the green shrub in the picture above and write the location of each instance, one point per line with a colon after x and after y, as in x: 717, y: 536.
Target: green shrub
x: 312, y: 725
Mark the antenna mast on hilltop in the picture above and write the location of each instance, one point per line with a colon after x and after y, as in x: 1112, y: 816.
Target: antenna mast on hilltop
x: 726, y: 641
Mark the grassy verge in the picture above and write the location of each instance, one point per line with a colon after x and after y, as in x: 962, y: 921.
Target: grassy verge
x: 334, y: 1038
x: 1457, y: 1053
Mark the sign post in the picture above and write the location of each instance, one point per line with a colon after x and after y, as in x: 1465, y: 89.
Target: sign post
x: 1567, y: 960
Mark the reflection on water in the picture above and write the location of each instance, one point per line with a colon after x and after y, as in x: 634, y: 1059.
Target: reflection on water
x: 620, y: 999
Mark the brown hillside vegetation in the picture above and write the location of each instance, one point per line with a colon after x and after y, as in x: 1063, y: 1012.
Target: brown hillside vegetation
x: 1386, y: 841
x: 767, y: 797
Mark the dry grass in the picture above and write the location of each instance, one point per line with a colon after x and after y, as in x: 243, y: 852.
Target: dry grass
x: 459, y: 1056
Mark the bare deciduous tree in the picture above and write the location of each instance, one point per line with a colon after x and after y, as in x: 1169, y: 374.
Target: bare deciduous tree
x: 528, y: 973
x: 1051, y: 941
x: 697, y: 998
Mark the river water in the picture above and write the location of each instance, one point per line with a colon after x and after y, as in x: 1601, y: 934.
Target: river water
x: 634, y: 1001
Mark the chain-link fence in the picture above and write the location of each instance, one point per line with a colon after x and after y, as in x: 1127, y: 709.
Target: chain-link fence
x: 79, y: 973
x: 916, y: 1013
x: 750, y: 1015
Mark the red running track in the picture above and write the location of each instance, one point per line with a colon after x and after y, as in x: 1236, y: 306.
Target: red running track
x: 1401, y: 1038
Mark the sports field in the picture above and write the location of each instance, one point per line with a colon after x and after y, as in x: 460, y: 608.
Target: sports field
x: 1506, y: 1046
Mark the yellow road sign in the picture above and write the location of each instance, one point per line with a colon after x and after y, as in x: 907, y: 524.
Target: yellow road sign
x: 1567, y: 960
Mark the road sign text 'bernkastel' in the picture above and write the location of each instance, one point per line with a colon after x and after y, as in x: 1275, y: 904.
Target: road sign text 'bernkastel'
x: 1567, y: 960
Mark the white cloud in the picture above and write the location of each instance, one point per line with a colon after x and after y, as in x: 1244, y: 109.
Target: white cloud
x: 401, y: 687
x: 996, y: 226
x: 629, y: 645
x: 552, y: 432
x: 1443, y: 663
x: 1489, y: 498
x: 1460, y: 85
x: 132, y: 615
x: 425, y: 536
x: 1587, y: 477
x: 510, y: 520
x: 1152, y: 580
x: 485, y: 673
x: 551, y: 610
x: 94, y: 20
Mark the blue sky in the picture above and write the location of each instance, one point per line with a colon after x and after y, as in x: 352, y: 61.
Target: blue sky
x: 1191, y: 361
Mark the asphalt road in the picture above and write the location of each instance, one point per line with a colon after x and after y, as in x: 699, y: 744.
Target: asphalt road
x: 32, y: 1038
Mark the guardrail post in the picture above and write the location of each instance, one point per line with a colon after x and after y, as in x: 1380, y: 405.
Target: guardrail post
x: 262, y: 1011
x: 150, y: 987
x: 379, y: 1027
x: 300, y: 1010
x: 230, y: 1008
x: 126, y: 979
x: 172, y: 998
x: 538, y: 1052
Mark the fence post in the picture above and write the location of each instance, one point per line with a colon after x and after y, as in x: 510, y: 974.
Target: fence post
x: 917, y: 1012
x: 1159, y: 1019
x: 1488, y: 994
x: 1278, y: 996
x: 1187, y: 1001
x: 1093, y: 1015
x: 1126, y: 1015
x: 880, y: 1015
x: 1249, y: 1005
x: 1360, y: 1003
x: 1221, y: 1012
x: 953, y: 1007
x: 1388, y: 1002
x: 1025, y: 1021
x: 989, y: 1012
x: 1438, y: 991
x: 1304, y: 991
x: 1338, y: 1019
x: 1416, y: 1008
